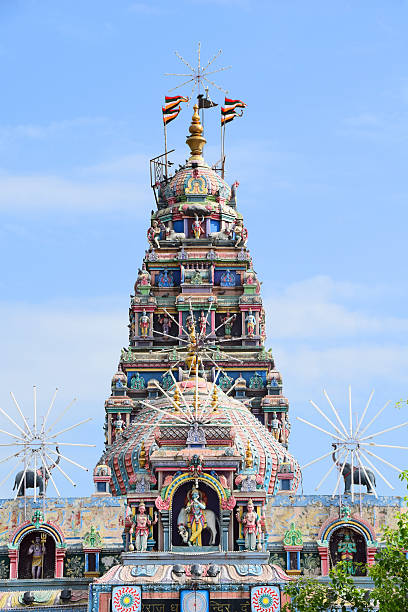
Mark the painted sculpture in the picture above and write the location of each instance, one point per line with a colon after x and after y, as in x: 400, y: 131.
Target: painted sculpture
x: 197, y: 227
x: 153, y: 234
x: 347, y: 549
x: 165, y: 323
x: 144, y: 324
x: 251, y: 526
x: 361, y: 476
x: 251, y: 322
x: 194, y: 518
x: 37, y: 553
x: 141, y: 524
x: 30, y: 480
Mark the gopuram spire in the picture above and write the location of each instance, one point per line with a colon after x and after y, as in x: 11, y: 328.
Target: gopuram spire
x: 196, y: 141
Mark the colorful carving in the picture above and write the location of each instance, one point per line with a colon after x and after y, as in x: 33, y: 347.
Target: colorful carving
x: 153, y: 234
x: 265, y: 599
x: 126, y: 599
x: 144, y: 324
x: 143, y: 277
x: 202, y: 322
x: 347, y: 549
x: 165, y: 323
x: 293, y: 536
x: 256, y: 381
x: 241, y: 233
x: 137, y: 381
x: 141, y: 527
x: 37, y: 553
x: 196, y: 278
x: 360, y: 476
x: 197, y: 226
x: 165, y: 278
x: 251, y: 323
x: 195, y: 518
x: 251, y: 526
x: 92, y: 539
x: 227, y: 279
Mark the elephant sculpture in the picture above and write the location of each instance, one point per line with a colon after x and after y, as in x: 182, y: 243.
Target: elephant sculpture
x: 361, y: 476
x: 41, y: 479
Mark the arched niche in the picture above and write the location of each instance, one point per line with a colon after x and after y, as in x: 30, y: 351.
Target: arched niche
x: 211, y: 534
x: 21, y: 540
x: 25, y: 559
x: 344, y: 539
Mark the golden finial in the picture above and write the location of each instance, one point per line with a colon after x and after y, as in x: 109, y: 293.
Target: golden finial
x: 176, y: 400
x: 142, y: 456
x: 196, y: 141
x: 214, y: 402
x: 248, y: 456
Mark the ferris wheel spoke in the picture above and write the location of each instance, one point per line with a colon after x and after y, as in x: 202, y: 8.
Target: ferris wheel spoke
x: 364, y: 412
x: 383, y: 445
x: 175, y: 405
x: 383, y: 460
x: 219, y: 70
x: 317, y: 459
x: 155, y: 331
x: 352, y: 468
x: 329, y: 433
x: 378, y: 433
x: 329, y: 471
x: 181, y: 85
x: 203, y: 414
x: 21, y: 480
x: 49, y: 410
x: 161, y: 411
x: 223, y: 323
x: 57, y: 420
x: 371, y: 464
x: 335, y: 412
x: 371, y: 484
x: 12, y: 435
x: 176, y: 322
x: 215, y: 85
x: 20, y: 412
x: 60, y: 470
x: 35, y: 408
x: 69, y: 460
x: 327, y: 418
x: 73, y: 444
x: 7, y: 476
x: 13, y: 422
x: 71, y: 427
x: 340, y: 473
x: 44, y: 462
x: 11, y: 456
x: 190, y: 414
x: 375, y: 417
x: 181, y: 58
x: 176, y: 74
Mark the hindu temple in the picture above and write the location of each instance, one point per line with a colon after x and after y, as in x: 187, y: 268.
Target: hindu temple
x: 197, y: 500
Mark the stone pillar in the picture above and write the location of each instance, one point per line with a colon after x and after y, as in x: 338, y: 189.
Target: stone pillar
x: 180, y: 320
x: 13, y: 556
x: 59, y: 561
x: 257, y: 323
x: 371, y: 552
x: 109, y: 428
x: 243, y: 313
x: 225, y: 521
x: 324, y: 559
x: 151, y: 324
x: 212, y: 314
x: 166, y: 529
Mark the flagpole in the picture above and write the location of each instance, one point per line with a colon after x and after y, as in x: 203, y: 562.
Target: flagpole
x: 223, y: 151
x: 165, y: 146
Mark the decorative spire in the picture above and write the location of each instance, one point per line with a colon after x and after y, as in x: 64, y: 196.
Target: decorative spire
x: 196, y: 141
x: 248, y: 456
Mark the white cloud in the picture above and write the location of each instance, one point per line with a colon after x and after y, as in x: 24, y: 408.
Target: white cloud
x: 312, y: 309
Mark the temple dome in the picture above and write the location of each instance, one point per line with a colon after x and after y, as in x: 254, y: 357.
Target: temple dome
x: 197, y: 180
x: 231, y: 415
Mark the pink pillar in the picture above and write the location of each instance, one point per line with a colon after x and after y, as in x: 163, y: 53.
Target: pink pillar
x: 59, y: 562
x: 371, y: 551
x: 13, y: 556
x: 180, y: 323
x: 212, y: 321
x: 324, y: 559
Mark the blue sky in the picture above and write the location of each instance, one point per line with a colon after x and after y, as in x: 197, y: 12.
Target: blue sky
x: 321, y: 160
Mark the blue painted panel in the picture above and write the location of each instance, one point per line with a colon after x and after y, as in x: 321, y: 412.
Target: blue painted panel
x: 214, y: 225
x: 178, y: 226
x: 194, y: 601
x: 220, y: 273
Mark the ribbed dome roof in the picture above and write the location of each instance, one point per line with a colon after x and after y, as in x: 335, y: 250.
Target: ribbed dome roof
x: 201, y: 180
x: 267, y: 452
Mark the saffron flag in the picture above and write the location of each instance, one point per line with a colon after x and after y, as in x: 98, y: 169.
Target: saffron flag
x: 227, y: 118
x: 169, y: 115
x: 176, y: 99
x: 229, y: 102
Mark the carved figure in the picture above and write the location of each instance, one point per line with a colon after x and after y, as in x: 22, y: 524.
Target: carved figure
x: 165, y: 322
x: 143, y: 277
x: 250, y: 521
x: 172, y: 235
x: 197, y: 227
x: 41, y: 480
x: 37, y: 550
x: 141, y: 526
x: 165, y: 278
x: 228, y: 323
x: 202, y: 321
x: 251, y: 322
x: 358, y: 476
x: 346, y: 549
x: 275, y: 426
x: 196, y: 278
x: 227, y: 279
x: 211, y: 521
x: 224, y: 234
x: 241, y: 233
x: 144, y: 324
x: 153, y: 234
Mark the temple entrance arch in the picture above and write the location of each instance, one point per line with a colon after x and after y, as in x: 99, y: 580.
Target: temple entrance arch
x: 349, y: 546
x: 195, y: 515
x: 36, y: 558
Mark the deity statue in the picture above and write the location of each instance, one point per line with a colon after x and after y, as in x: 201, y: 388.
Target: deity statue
x: 144, y: 324
x: 143, y: 277
x: 165, y: 278
x: 241, y: 233
x: 275, y: 426
x: 37, y: 550
x: 153, y: 233
x: 165, y: 322
x: 251, y: 322
x: 196, y: 278
x: 228, y: 323
x: 347, y: 549
x: 196, y: 518
x: 250, y: 521
x: 227, y: 279
x: 141, y: 526
x: 197, y: 227
x: 119, y: 425
x: 202, y: 321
